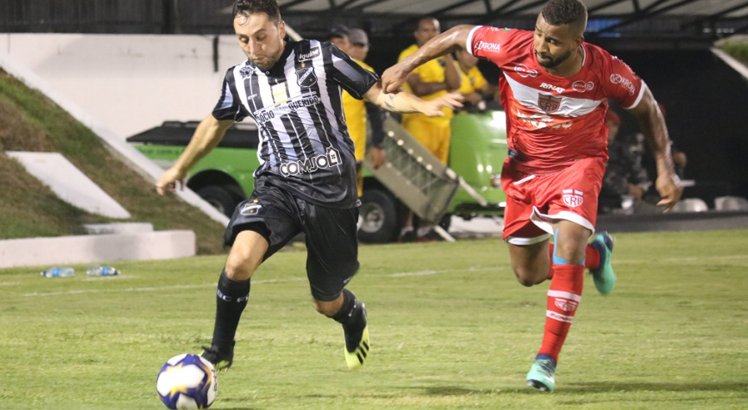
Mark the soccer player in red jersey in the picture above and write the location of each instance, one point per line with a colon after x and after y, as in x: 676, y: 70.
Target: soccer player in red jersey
x: 555, y: 89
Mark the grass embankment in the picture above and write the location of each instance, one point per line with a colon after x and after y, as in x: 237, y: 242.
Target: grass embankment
x: 31, y: 122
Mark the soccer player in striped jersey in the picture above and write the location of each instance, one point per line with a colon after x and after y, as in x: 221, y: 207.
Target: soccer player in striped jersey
x: 554, y: 87
x: 306, y: 181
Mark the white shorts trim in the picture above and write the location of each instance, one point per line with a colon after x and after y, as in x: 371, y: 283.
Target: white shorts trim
x: 519, y: 241
x: 545, y: 222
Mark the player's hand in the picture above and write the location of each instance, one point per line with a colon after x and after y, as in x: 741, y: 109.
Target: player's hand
x: 393, y: 78
x: 668, y: 185
x: 170, y: 181
x: 433, y: 108
x: 376, y: 156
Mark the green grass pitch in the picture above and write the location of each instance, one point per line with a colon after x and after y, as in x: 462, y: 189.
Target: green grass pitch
x: 450, y: 328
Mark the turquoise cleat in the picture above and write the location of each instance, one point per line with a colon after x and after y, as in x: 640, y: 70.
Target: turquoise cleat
x: 604, y: 277
x: 541, y: 375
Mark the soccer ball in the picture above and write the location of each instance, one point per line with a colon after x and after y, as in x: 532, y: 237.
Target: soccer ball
x: 186, y: 382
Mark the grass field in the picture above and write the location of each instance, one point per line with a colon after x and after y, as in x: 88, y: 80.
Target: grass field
x: 450, y: 328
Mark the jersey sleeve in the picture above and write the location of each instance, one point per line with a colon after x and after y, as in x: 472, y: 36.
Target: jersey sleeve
x: 346, y: 72
x: 490, y: 43
x: 622, y: 84
x: 229, y: 106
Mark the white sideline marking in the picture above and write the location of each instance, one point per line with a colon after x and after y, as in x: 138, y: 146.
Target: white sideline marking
x: 392, y: 275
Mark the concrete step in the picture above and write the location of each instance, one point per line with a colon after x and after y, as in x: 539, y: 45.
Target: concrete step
x: 97, y: 248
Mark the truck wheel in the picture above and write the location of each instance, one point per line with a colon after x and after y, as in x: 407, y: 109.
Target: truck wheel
x: 220, y: 198
x: 379, y: 216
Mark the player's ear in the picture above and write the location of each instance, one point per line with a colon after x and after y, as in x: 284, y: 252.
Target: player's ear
x: 282, y: 29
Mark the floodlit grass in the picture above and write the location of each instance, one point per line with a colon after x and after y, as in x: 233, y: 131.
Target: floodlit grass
x: 450, y: 328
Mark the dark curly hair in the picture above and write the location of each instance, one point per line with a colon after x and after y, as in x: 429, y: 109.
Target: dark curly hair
x: 563, y: 12
x: 269, y: 7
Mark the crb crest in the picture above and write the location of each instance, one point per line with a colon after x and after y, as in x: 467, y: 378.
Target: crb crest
x: 305, y: 77
x: 572, y: 197
x: 548, y: 103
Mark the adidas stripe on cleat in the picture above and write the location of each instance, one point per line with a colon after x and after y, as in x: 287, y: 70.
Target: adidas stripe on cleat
x: 355, y: 359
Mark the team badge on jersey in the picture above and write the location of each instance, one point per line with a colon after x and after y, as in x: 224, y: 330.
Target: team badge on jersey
x: 548, y: 103
x: 573, y: 197
x: 306, y: 77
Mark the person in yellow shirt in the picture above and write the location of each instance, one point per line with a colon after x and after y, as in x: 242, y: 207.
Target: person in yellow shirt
x: 359, y: 113
x: 428, y: 81
x: 473, y: 85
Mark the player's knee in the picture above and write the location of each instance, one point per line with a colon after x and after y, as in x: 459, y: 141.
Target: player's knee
x: 238, y: 267
x: 327, y: 308
x: 528, y: 277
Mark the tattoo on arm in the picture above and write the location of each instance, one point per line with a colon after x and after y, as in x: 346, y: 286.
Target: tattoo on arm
x: 389, y: 101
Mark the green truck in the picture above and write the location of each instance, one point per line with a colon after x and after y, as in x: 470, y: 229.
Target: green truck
x: 411, y: 178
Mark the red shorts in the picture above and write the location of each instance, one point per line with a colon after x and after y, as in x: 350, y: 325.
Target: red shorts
x: 534, y: 202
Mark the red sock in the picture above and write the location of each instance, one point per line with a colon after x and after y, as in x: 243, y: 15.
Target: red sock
x: 564, y: 295
x: 591, y: 259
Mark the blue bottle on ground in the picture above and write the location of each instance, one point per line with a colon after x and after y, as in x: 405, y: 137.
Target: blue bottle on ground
x: 58, y: 272
x: 103, y: 270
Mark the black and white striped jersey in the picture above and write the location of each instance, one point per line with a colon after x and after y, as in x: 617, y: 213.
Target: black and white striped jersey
x: 304, y: 142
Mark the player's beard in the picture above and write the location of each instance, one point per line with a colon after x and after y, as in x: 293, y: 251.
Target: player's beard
x: 553, y: 62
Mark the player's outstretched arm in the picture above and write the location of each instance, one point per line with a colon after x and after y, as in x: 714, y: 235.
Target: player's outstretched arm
x: 207, y: 135
x: 407, y: 102
x: 394, y: 77
x: 654, y: 128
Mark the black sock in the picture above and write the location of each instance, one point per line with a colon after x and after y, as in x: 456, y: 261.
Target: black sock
x: 231, y: 299
x: 351, y: 315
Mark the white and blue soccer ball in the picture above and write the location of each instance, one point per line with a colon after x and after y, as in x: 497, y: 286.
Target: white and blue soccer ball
x: 187, y: 382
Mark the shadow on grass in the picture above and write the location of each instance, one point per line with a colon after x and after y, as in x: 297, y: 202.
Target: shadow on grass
x: 595, y: 387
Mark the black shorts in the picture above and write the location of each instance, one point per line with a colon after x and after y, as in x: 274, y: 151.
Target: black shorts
x: 331, y: 241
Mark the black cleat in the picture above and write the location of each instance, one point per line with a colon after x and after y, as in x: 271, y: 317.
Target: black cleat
x: 221, y: 358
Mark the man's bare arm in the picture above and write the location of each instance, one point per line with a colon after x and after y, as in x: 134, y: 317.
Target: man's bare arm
x: 207, y: 135
x: 456, y: 37
x: 653, y: 126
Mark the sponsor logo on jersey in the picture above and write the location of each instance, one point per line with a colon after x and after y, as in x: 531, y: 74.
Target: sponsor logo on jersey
x: 567, y: 305
x: 315, y: 52
x: 306, y: 77
x: 582, y: 86
x: 488, y: 46
x: 572, y: 197
x: 307, y: 166
x: 549, y: 103
x: 623, y: 82
x: 552, y: 87
x: 525, y: 72
x: 266, y: 114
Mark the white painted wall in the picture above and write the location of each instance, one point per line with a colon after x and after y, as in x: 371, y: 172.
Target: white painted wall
x: 128, y: 83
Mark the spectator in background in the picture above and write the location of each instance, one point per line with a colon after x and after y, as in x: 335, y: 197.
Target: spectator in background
x: 339, y: 37
x: 359, y: 112
x: 473, y: 85
x: 430, y: 80
x: 626, y: 179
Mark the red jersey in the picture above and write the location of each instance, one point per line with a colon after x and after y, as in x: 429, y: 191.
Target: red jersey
x: 551, y: 120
